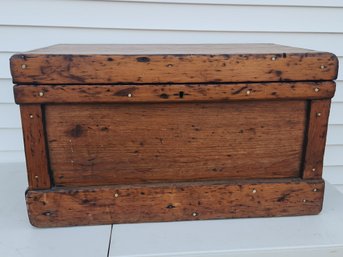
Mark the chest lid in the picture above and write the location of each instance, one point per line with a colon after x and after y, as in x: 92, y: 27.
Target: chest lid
x: 139, y: 64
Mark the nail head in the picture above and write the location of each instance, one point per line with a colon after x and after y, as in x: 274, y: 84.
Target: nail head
x: 23, y: 66
x: 129, y: 95
x: 41, y: 93
x: 273, y: 58
x: 315, y: 190
x: 314, y: 169
x: 195, y: 214
x: 319, y: 114
x: 322, y: 67
x: 116, y: 195
x: 248, y: 92
x: 254, y: 191
x: 31, y: 116
x: 316, y: 89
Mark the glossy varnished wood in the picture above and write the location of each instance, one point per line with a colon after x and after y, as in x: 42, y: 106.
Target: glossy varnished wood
x: 173, y: 202
x: 133, y: 143
x: 172, y: 92
x: 35, y: 147
x: 316, y: 138
x: 97, y: 64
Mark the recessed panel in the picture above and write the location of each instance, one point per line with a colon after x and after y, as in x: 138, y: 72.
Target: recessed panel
x: 99, y: 144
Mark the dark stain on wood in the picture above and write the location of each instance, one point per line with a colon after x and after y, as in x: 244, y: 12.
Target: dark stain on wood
x: 236, y: 92
x: 77, y: 131
x: 278, y: 73
x: 125, y: 91
x: 283, y: 197
x: 164, y: 96
x: 68, y: 57
x: 143, y: 59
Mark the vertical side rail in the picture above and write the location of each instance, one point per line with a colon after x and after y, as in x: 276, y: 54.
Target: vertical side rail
x: 316, y: 138
x: 35, y: 146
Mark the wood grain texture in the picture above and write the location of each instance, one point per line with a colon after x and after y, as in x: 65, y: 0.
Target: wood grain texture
x: 160, y: 49
x: 172, y: 92
x: 133, y: 143
x: 173, y: 202
x: 171, y: 64
x: 316, y: 138
x: 35, y: 147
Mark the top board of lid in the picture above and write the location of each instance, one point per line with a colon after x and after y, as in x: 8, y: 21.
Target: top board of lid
x: 139, y: 64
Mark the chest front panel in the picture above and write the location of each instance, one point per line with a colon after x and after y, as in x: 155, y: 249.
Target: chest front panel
x: 134, y: 143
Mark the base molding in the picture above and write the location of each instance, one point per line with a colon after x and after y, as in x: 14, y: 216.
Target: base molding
x: 173, y: 201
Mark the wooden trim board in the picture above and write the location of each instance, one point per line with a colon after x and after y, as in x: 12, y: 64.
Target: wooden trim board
x: 172, y: 92
x: 174, y: 202
x: 316, y: 138
x: 35, y: 146
x: 98, y: 64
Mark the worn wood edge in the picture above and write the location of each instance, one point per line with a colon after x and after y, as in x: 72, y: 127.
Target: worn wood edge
x: 174, y: 202
x: 31, y: 68
x: 316, y: 138
x: 172, y: 92
x: 35, y: 146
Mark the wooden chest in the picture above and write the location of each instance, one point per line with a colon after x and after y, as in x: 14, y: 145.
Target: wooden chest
x: 138, y: 133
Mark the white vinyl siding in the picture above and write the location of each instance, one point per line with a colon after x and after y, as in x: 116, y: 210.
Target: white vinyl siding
x: 26, y: 25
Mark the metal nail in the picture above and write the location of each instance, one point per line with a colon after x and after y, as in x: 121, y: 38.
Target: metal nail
x: 314, y: 169
x: 273, y: 58
x: 23, y: 66
x: 322, y: 67
x: 116, y: 195
x: 316, y: 89
x: 31, y: 116
x: 319, y: 114
x: 195, y: 214
x: 129, y: 95
x: 315, y: 190
x: 248, y: 92
x: 41, y: 93
x: 254, y: 191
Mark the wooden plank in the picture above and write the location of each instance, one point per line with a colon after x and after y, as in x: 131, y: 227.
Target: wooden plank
x: 133, y: 143
x: 172, y: 202
x: 106, y: 64
x: 173, y: 49
x: 316, y: 138
x: 35, y: 147
x: 172, y: 92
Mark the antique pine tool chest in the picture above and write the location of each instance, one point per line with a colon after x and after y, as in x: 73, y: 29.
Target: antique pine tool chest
x: 140, y: 133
